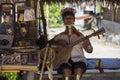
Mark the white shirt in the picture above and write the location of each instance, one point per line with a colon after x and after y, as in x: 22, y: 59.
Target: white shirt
x: 77, y: 53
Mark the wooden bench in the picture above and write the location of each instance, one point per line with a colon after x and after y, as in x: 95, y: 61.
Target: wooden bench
x: 97, y: 67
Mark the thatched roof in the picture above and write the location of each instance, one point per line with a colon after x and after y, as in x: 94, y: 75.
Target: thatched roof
x: 80, y: 1
x: 103, y: 2
x: 108, y: 2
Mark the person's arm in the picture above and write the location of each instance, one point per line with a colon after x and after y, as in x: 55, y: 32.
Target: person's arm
x: 90, y: 21
x: 53, y: 42
x: 87, y: 46
x: 54, y: 39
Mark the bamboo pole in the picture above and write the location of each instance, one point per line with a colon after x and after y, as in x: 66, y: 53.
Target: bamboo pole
x: 43, y: 64
x: 8, y: 68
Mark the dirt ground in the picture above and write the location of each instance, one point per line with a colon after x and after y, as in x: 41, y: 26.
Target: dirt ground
x: 102, y: 48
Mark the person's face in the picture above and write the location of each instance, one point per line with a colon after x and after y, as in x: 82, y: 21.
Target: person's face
x: 68, y: 20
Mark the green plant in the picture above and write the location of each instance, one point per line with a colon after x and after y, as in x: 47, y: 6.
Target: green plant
x: 54, y: 17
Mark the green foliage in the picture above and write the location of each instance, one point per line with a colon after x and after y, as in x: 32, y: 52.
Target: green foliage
x: 9, y: 75
x: 54, y: 17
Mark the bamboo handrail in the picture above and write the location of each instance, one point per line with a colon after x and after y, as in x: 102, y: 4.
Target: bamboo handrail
x: 7, y: 68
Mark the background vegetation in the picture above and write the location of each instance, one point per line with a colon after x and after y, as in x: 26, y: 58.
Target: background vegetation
x: 54, y: 16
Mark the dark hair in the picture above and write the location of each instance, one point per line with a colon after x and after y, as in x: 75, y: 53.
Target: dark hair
x: 91, y: 13
x: 67, y: 14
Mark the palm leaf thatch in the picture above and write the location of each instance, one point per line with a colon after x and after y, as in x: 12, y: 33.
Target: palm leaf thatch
x: 108, y: 2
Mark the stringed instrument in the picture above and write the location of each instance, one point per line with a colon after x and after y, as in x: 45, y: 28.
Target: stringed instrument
x: 62, y: 49
x: 98, y: 32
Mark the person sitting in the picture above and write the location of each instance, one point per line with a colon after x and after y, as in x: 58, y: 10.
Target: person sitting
x: 77, y: 63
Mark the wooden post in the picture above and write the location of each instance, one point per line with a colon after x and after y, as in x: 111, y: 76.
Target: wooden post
x: 113, y: 12
x: 43, y: 19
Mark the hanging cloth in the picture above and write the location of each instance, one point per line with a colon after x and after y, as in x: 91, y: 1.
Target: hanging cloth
x: 29, y: 14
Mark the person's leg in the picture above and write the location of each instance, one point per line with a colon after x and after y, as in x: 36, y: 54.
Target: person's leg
x: 78, y: 73
x: 65, y: 70
x: 79, y: 69
x: 67, y: 73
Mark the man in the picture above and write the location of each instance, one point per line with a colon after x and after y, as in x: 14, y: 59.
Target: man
x: 93, y: 21
x: 77, y: 62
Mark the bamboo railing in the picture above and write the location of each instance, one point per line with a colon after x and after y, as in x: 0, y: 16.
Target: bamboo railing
x: 8, y: 68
